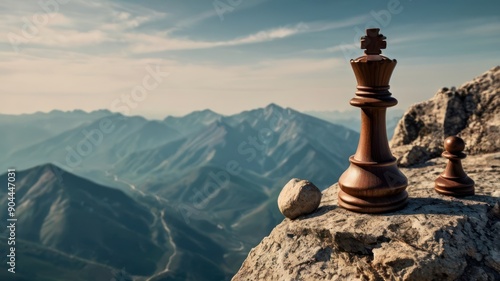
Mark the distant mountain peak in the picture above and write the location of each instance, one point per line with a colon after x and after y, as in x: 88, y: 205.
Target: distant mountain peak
x: 52, y: 167
x: 54, y: 111
x: 49, y: 168
x: 208, y: 111
x: 192, y: 121
x: 45, y: 166
x: 273, y: 106
x: 203, y: 114
x: 102, y: 111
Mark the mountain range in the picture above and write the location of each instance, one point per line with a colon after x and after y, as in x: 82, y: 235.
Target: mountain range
x: 193, y: 190
x: 70, y: 228
x: 103, y: 196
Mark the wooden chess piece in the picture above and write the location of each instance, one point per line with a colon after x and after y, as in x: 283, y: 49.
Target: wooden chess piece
x: 373, y: 183
x: 454, y: 181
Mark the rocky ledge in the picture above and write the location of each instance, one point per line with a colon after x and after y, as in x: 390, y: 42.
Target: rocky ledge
x: 472, y: 112
x: 434, y: 238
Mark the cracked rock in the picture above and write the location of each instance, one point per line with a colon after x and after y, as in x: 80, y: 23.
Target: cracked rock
x: 434, y: 238
x: 472, y: 111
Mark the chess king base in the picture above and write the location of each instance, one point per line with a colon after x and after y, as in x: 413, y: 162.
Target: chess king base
x: 372, y: 187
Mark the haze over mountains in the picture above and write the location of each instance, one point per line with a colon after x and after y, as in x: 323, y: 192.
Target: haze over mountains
x: 351, y: 118
x: 203, y: 186
x: 28, y: 129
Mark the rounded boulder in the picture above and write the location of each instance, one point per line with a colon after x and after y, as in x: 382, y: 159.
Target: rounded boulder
x: 298, y: 197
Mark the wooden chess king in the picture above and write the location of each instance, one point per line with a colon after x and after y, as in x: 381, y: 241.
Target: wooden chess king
x: 373, y: 182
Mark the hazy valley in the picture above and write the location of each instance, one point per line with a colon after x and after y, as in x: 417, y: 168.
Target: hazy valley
x: 144, y: 198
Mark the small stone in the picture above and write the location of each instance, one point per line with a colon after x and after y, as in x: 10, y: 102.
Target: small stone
x: 298, y: 197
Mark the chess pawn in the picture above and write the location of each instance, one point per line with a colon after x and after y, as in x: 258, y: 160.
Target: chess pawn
x: 454, y: 181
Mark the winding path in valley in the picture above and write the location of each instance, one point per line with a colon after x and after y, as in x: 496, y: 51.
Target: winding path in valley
x: 162, y: 217
x: 172, y: 243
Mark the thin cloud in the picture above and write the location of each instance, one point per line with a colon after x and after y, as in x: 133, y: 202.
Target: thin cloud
x: 212, y: 13
x: 70, y: 27
x: 157, y: 43
x: 121, y: 22
x: 188, y: 22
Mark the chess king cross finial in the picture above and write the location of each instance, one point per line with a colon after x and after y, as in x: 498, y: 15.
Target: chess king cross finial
x: 373, y: 42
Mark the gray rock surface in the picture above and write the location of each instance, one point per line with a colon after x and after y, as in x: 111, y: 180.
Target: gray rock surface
x: 472, y: 112
x: 434, y: 238
x: 298, y: 197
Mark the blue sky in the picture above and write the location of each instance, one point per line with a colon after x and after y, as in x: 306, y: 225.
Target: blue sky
x: 231, y: 55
